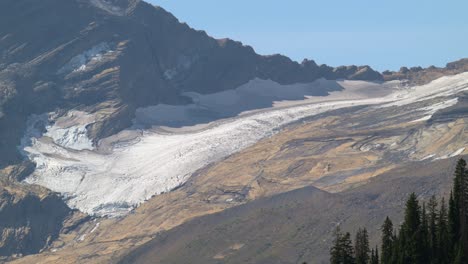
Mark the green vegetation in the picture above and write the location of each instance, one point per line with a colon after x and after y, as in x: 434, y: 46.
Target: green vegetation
x: 432, y: 234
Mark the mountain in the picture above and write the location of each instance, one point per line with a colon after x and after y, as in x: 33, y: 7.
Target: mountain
x: 110, y: 57
x: 118, y: 122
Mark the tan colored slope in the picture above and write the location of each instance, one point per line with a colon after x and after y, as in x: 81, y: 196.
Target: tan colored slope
x: 334, y: 152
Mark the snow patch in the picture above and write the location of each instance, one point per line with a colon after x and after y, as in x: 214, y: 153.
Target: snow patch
x: 432, y: 109
x: 108, y: 7
x: 442, y: 87
x: 81, y: 62
x: 451, y: 155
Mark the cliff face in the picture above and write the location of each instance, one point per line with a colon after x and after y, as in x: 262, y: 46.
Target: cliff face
x: 30, y: 218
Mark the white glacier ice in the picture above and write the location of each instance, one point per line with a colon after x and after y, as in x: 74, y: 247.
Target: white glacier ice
x: 112, y: 183
x: 432, y: 109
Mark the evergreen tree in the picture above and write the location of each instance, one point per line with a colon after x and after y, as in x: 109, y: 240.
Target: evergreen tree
x: 424, y: 237
x: 342, y: 250
x: 361, y: 247
x: 374, y: 259
x: 443, y: 236
x: 336, y: 250
x: 377, y: 261
x: 410, y: 235
x: 387, y: 241
x: 412, y: 215
x: 432, y: 233
x: 463, y: 212
x: 433, y: 236
x: 455, y: 204
x: 397, y: 252
x: 348, y: 252
x: 453, y: 226
x: 460, y: 256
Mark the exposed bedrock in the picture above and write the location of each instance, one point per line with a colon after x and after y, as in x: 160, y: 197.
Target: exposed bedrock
x: 30, y: 218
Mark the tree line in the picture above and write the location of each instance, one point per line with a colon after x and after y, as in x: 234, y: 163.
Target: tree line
x: 432, y: 233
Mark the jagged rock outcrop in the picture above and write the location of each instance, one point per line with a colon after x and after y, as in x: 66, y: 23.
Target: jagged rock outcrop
x: 419, y: 75
x: 30, y: 218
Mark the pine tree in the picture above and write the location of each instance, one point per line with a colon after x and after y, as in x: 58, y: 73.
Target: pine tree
x: 424, y: 237
x: 397, y: 251
x: 376, y: 256
x: 457, y: 193
x: 443, y: 236
x: 361, y: 247
x: 463, y: 214
x: 348, y: 252
x: 435, y: 236
x: 460, y: 256
x: 374, y: 259
x: 410, y: 235
x: 336, y: 250
x: 453, y: 226
x: 458, y: 214
x: 387, y: 241
x: 342, y: 250
x: 462, y: 253
x: 432, y: 233
x: 412, y: 215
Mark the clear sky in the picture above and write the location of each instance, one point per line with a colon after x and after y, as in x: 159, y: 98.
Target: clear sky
x: 381, y: 33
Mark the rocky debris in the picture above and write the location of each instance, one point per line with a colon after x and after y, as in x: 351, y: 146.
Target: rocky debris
x: 31, y: 218
x: 18, y: 172
x: 419, y: 75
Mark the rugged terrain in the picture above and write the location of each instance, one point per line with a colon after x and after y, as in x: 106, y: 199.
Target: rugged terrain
x: 135, y: 124
x: 293, y: 227
x: 357, y: 150
x: 107, y: 58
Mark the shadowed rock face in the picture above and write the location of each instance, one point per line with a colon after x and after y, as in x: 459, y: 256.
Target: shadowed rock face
x: 30, y: 218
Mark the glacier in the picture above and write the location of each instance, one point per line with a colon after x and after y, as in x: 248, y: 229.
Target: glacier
x: 145, y: 160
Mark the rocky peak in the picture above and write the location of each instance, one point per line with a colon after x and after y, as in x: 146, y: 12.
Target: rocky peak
x: 419, y: 75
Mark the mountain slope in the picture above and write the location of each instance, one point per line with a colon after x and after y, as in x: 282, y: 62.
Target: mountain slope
x: 296, y: 226
x: 90, y: 88
x: 336, y: 150
x: 110, y: 57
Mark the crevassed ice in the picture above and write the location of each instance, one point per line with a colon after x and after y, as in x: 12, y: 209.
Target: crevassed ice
x: 115, y: 182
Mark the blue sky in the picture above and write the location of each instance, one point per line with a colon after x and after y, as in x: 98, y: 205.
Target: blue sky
x: 380, y: 33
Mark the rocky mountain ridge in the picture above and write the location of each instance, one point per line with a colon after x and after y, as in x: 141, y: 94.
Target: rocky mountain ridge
x: 109, y: 58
